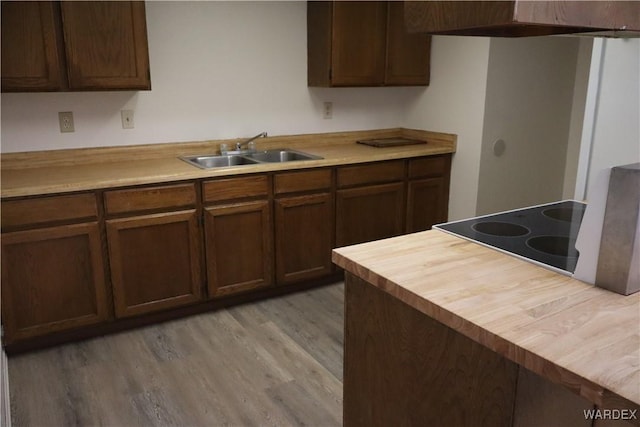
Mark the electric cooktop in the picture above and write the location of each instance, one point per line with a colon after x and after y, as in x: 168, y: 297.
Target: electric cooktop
x: 545, y: 234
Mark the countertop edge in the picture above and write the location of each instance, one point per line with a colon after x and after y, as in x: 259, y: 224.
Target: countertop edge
x: 119, y: 166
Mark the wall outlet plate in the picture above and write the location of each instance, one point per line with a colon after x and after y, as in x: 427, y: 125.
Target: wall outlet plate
x: 65, y: 118
x: 127, y: 119
x: 327, y: 111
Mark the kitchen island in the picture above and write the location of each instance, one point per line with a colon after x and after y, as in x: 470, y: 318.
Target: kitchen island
x: 443, y: 331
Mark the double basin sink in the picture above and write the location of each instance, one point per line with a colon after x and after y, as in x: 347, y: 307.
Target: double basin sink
x: 278, y: 155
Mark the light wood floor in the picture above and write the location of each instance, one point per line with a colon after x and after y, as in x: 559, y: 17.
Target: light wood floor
x: 275, y: 362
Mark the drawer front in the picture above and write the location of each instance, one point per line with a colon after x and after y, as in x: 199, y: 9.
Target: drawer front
x: 150, y: 198
x: 302, y: 181
x: 235, y: 188
x: 52, y: 209
x: 371, y: 173
x: 429, y: 166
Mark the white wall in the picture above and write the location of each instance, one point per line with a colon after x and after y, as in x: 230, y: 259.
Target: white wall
x: 616, y: 126
x: 576, y: 128
x: 231, y: 69
x: 218, y: 70
x: 529, y: 100
x: 455, y: 102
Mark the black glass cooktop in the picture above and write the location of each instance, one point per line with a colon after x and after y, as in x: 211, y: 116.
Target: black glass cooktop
x: 544, y: 234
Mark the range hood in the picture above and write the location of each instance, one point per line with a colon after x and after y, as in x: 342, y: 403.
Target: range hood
x: 523, y: 18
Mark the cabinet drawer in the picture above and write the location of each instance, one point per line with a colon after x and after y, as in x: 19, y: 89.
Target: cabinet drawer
x: 235, y: 188
x: 149, y: 198
x: 372, y: 173
x: 302, y: 181
x: 429, y: 166
x: 48, y: 210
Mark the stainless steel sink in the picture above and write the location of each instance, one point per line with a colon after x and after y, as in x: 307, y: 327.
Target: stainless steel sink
x: 281, y: 155
x: 208, y: 162
x: 278, y: 155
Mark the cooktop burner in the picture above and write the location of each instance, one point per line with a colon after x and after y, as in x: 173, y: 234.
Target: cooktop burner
x: 544, y: 234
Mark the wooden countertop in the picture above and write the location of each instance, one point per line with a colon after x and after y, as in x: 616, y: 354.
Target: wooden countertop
x: 574, y: 334
x: 60, y: 171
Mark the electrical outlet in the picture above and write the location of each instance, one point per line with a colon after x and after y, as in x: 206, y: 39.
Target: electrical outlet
x: 127, y: 119
x: 328, y: 110
x: 66, y: 121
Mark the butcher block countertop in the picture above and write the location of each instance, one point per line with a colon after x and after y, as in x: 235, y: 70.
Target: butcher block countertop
x: 61, y: 171
x: 572, y: 333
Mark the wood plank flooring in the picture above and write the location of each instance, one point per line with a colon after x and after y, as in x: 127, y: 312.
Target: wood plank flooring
x: 276, y: 362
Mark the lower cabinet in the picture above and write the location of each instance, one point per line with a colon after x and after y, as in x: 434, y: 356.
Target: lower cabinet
x: 155, y: 261
x: 53, y: 276
x: 426, y: 203
x: 427, y: 192
x: 238, y: 234
x: 154, y: 247
x: 370, y: 202
x: 239, y: 248
x: 369, y: 213
x: 165, y: 244
x: 303, y: 225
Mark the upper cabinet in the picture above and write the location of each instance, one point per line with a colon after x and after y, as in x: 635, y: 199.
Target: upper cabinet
x: 359, y: 43
x: 106, y: 45
x: 522, y: 18
x: 30, y: 57
x: 76, y: 46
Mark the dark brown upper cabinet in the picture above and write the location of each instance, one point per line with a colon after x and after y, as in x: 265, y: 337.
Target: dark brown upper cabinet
x: 360, y: 43
x: 74, y: 46
x: 522, y: 18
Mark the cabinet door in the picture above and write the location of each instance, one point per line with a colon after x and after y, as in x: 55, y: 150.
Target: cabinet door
x: 106, y: 44
x: 304, y: 230
x: 408, y: 55
x: 427, y: 203
x: 239, y: 247
x: 155, y: 262
x: 30, y: 58
x: 369, y: 213
x: 52, y: 279
x: 358, y: 43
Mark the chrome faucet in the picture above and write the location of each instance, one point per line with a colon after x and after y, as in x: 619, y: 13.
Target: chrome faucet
x: 239, y: 145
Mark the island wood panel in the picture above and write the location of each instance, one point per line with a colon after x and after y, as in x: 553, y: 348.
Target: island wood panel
x: 404, y: 368
x: 155, y: 262
x: 542, y: 403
